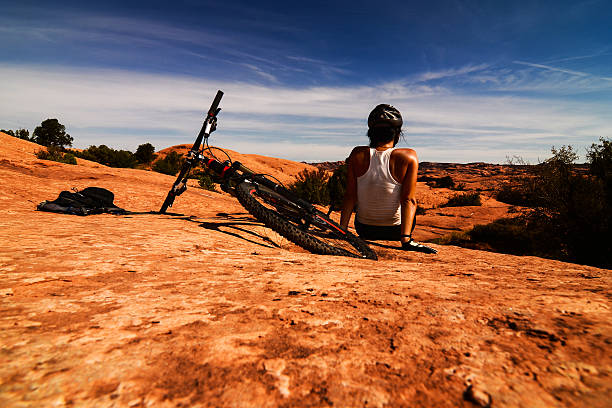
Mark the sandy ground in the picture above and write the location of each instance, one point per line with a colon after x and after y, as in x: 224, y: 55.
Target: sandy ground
x: 213, y: 309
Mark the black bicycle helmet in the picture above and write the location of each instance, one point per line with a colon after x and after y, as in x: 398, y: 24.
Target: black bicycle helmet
x: 385, y: 116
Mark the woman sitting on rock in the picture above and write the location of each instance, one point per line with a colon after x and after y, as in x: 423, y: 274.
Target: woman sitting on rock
x: 381, y: 184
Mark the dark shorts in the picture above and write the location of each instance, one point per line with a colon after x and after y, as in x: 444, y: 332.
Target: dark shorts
x: 380, y: 232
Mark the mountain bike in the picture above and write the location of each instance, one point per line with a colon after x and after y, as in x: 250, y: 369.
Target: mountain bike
x: 267, y: 199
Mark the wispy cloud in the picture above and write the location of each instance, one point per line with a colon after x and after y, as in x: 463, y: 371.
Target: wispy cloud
x: 121, y: 108
x: 324, y: 67
x: 564, y: 70
x: 580, y: 57
x: 232, y: 51
x: 550, y: 68
x: 261, y: 72
x: 449, y: 73
x: 520, y: 77
x: 96, y: 37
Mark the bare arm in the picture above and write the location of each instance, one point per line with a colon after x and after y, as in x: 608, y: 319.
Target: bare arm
x: 350, y: 196
x: 408, y: 194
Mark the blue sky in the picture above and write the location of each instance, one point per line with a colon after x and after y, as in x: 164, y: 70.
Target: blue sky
x: 474, y: 80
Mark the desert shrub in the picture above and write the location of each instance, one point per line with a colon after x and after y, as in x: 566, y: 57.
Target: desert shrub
x: 311, y: 185
x: 438, y: 182
x: 578, y: 208
x: 570, y: 214
x: 462, y: 200
x: 109, y: 157
x: 51, y: 133
x: 206, y: 182
x: 171, y: 164
x: 518, y: 192
x: 600, y: 165
x: 517, y: 236
x: 54, y: 153
x: 69, y: 158
x: 508, y: 235
x: 206, y: 179
x: 336, y: 187
x: 459, y: 187
x: 445, y: 182
x: 455, y: 238
x: 145, y: 153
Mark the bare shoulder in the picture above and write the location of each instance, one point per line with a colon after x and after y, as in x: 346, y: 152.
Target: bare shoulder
x: 359, y: 160
x: 359, y: 154
x: 359, y: 151
x: 405, y: 155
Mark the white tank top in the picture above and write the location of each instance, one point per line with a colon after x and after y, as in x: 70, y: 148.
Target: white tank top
x: 378, y: 194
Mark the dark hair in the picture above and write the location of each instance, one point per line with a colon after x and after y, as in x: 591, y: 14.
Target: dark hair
x: 382, y: 135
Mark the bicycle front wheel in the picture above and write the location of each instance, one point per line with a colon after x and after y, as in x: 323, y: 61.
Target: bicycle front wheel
x: 315, y: 232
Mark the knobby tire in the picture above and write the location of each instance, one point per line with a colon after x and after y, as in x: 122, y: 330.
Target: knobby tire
x: 248, y: 197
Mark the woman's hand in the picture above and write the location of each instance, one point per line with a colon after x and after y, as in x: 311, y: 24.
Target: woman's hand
x: 416, y: 247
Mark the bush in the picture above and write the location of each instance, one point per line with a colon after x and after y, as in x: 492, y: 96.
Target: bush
x: 311, y: 185
x: 438, y: 182
x: 109, y: 157
x: 145, y: 153
x: 206, y: 182
x: 336, y: 187
x: 462, y: 200
x: 600, y: 164
x: 206, y: 179
x: 51, y: 133
x: 508, y: 235
x: 461, y: 239
x: 54, y: 153
x: 570, y: 216
x: 520, y: 192
x: 459, y: 187
x: 171, y: 164
x: 444, y: 182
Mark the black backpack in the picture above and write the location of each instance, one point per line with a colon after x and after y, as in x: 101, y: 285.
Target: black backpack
x: 91, y: 200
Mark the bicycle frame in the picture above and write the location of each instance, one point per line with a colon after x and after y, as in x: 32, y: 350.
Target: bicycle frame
x: 231, y: 174
x: 268, y: 200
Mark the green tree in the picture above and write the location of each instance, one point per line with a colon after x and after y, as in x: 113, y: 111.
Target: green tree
x: 109, y: 157
x: 600, y: 163
x: 55, y: 153
x: 171, y: 164
x: 19, y: 133
x: 22, y: 134
x: 52, y: 133
x: 145, y: 153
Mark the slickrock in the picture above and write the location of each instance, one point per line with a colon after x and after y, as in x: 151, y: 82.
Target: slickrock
x: 210, y: 308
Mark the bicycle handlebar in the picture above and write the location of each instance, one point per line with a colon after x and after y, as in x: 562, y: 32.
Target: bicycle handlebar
x: 212, y: 113
x: 213, y: 108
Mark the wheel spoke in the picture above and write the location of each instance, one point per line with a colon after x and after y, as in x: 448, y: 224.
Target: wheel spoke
x: 315, y: 232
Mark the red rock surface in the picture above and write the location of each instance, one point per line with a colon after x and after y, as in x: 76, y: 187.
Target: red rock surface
x: 213, y: 309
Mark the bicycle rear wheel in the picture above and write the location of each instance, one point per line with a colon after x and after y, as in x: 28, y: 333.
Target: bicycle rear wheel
x: 315, y: 232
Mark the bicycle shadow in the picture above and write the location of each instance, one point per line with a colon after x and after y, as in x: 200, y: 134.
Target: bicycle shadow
x: 238, y: 224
